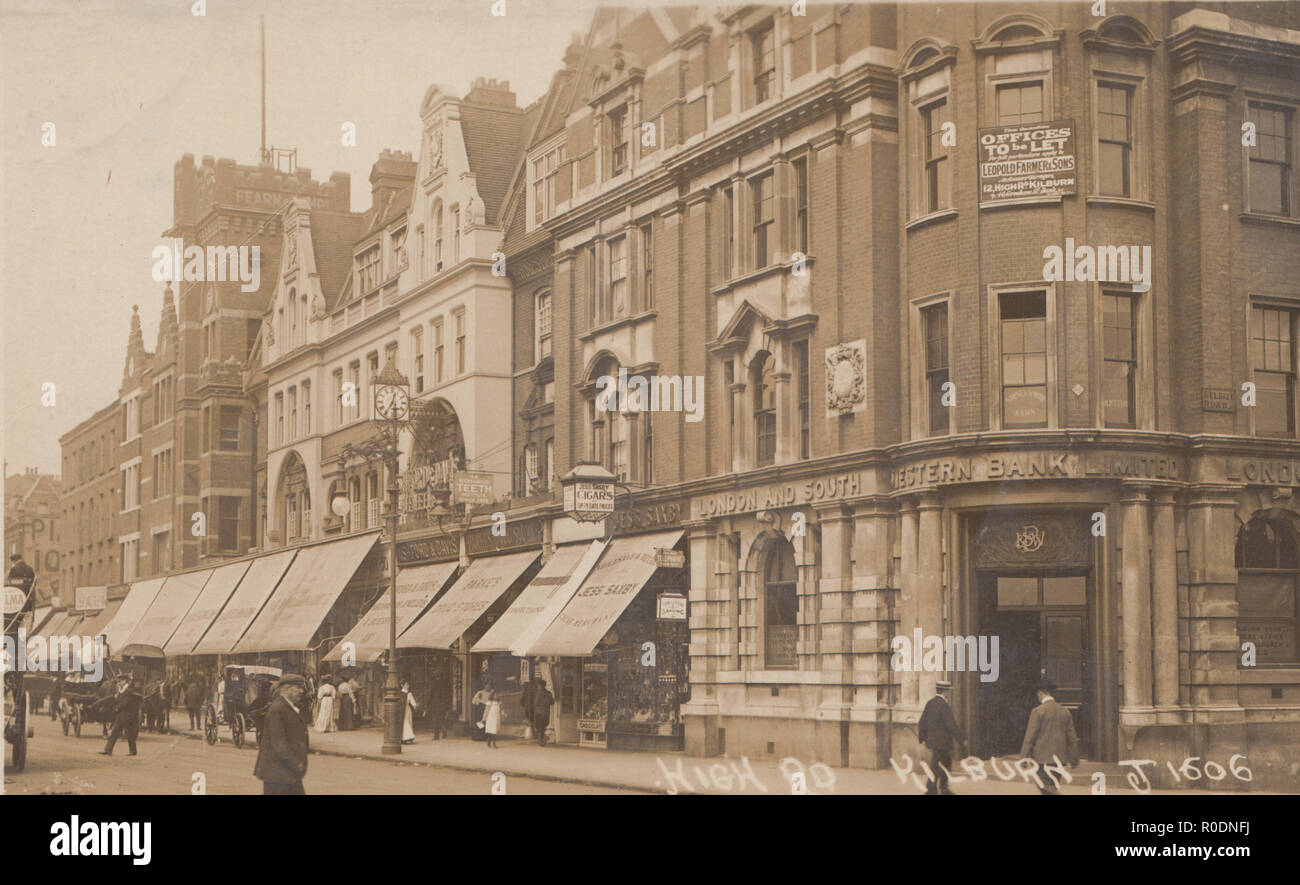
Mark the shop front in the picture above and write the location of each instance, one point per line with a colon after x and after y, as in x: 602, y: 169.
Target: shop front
x: 617, y: 650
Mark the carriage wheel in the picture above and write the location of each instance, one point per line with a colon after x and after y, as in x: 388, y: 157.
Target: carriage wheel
x: 210, y: 724
x: 76, y: 720
x: 237, y: 730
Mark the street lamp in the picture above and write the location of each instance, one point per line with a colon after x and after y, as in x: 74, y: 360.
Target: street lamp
x: 390, y: 392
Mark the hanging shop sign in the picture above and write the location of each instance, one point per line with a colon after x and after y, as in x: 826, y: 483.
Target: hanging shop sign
x: 671, y: 607
x: 472, y: 487
x: 1026, y: 160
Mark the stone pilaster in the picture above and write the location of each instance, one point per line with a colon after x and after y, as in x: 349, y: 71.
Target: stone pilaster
x: 1164, y: 606
x: 1135, y: 607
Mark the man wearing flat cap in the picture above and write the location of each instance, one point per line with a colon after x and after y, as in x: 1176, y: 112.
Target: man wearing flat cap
x: 1050, y: 737
x: 939, y: 731
x: 126, y: 720
x: 282, y: 742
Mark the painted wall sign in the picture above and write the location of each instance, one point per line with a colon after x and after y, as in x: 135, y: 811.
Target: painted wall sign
x: 647, y: 516
x: 90, y: 598
x: 1026, y: 160
x: 1034, y: 465
x: 1215, y: 399
x: 828, y: 488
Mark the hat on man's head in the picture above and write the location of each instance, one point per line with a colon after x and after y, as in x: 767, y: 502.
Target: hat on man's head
x: 290, y: 679
x: 125, y: 677
x: 15, y: 557
x: 1046, y: 685
x: 941, y: 685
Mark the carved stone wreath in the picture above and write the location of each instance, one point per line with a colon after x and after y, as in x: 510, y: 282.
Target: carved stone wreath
x: 846, y: 377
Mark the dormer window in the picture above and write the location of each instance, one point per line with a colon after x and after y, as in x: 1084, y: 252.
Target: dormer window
x: 399, y: 249
x: 368, y: 269
x: 545, y: 174
x: 616, y: 120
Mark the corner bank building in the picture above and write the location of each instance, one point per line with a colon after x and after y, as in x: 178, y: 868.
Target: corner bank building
x: 915, y: 421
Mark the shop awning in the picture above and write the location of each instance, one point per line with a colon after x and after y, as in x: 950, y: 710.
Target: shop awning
x: 166, y: 613
x: 56, y: 625
x: 40, y: 616
x: 305, y: 596
x: 416, y: 588
x: 137, y: 602
x: 483, y: 583
x: 543, y: 598
x: 612, y: 585
x: 199, y: 618
x: 93, y: 623
x: 256, y: 587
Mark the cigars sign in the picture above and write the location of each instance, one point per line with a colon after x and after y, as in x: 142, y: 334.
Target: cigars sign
x: 1035, y: 465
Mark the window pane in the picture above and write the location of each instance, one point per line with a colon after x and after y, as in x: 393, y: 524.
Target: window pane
x: 1017, y: 592
x: 1035, y: 369
x: 1024, y: 406
x: 1035, y: 336
x: 1013, y: 338
x: 1013, y: 369
x: 1112, y: 169
x: 1266, y: 192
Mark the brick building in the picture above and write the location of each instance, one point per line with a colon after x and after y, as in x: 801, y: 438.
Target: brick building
x: 911, y: 422
x: 33, y: 523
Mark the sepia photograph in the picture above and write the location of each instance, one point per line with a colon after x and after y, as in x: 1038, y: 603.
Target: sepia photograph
x: 509, y: 397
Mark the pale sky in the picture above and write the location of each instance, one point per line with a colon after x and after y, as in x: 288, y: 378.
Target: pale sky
x: 132, y: 85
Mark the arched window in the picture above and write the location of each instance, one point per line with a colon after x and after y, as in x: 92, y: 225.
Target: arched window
x: 293, y: 320
x: 763, y: 380
x: 530, y: 468
x: 781, y: 607
x: 302, y: 309
x: 543, y: 324
x: 305, y: 509
x: 1268, y: 587
x: 372, y: 499
x: 549, y: 475
x: 1016, y: 33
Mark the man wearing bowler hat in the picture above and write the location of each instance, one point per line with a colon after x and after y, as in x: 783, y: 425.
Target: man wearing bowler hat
x: 1050, y: 736
x: 126, y: 721
x: 939, y: 731
x: 282, y: 744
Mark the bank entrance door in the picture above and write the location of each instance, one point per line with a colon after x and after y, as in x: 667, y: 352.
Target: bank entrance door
x: 1041, y: 620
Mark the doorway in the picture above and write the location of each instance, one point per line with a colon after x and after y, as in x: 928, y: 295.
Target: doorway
x: 1041, y: 620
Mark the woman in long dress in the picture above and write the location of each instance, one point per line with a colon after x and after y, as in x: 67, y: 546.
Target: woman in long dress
x: 478, y: 706
x: 492, y: 716
x: 325, y: 713
x: 408, y: 713
x: 347, y: 706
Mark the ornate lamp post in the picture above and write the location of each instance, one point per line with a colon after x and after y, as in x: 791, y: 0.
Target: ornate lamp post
x: 390, y: 393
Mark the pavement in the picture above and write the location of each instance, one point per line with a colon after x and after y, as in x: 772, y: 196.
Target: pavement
x: 595, y: 770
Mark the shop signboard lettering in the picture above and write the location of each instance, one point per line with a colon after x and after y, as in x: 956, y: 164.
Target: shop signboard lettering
x: 1263, y: 471
x: 272, y: 199
x: 1026, y: 160
x: 1034, y: 465
x: 812, y: 491
x: 472, y: 487
x: 672, y: 607
x: 589, y: 497
x: 91, y: 598
x: 647, y: 516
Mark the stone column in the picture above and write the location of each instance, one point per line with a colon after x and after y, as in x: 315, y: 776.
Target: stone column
x: 1213, y: 646
x: 873, y: 560
x: 1136, y: 601
x: 929, y: 579
x: 908, y: 607
x: 1164, y: 602
x: 707, y: 641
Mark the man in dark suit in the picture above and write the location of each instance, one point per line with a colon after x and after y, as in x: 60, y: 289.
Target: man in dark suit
x: 939, y: 731
x: 1050, y: 736
x: 282, y: 742
x: 126, y: 719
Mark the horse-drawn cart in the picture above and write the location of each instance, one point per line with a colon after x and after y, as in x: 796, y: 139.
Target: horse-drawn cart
x: 239, y: 701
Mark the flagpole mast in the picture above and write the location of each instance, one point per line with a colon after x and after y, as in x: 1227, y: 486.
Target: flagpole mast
x: 262, y: 29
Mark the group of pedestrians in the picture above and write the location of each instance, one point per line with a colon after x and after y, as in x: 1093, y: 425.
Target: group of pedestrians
x: 336, y: 704
x: 1050, y: 737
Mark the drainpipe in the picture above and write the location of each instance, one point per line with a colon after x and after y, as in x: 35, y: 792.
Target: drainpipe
x: 252, y: 482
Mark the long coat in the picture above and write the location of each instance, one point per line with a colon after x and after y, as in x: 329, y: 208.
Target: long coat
x: 127, y: 709
x: 1051, y: 733
x: 938, y: 728
x: 281, y: 745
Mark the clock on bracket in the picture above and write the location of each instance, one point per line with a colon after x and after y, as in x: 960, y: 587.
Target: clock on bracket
x: 392, y: 403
